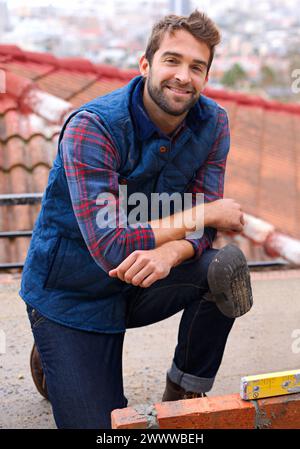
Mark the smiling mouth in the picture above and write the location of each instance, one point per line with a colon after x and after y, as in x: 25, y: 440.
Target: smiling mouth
x: 179, y: 91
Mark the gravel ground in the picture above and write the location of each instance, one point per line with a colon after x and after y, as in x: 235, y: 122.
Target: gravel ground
x: 261, y: 341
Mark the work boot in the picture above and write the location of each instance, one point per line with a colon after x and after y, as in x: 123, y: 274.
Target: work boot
x: 229, y: 282
x: 37, y: 372
x: 174, y: 392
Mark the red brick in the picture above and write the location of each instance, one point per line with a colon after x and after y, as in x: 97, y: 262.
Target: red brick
x: 220, y: 412
x: 280, y: 412
x: 128, y: 418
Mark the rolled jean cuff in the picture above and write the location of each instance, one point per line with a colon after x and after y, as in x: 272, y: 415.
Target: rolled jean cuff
x: 190, y: 382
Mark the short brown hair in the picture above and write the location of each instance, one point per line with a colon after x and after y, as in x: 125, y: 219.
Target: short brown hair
x: 197, y: 23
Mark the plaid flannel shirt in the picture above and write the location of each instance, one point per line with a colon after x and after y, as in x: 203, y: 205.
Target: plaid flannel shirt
x: 91, y: 164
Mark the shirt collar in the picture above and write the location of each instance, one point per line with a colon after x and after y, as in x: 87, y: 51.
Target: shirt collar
x: 144, y: 125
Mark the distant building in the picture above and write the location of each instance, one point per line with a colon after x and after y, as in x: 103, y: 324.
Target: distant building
x: 180, y: 7
x: 4, y: 17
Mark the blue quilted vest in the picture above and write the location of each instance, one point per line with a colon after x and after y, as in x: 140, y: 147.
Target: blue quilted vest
x: 60, y: 277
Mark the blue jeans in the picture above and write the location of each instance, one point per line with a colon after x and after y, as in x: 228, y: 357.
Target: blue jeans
x: 84, y: 369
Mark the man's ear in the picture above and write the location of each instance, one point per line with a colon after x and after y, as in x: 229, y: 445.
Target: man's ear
x: 144, y: 66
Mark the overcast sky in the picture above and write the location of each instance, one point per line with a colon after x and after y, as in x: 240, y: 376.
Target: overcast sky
x: 71, y: 2
x: 51, y: 2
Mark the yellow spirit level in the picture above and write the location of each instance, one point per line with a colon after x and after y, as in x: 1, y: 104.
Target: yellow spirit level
x: 271, y: 384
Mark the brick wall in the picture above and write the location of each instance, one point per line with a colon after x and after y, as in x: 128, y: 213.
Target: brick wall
x: 219, y: 412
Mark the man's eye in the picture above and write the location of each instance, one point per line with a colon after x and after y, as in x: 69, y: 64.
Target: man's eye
x: 198, y: 69
x: 171, y: 60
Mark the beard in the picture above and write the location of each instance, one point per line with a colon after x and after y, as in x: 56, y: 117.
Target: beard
x: 161, y: 100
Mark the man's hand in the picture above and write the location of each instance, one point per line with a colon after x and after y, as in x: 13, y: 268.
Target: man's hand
x: 144, y: 267
x: 225, y: 215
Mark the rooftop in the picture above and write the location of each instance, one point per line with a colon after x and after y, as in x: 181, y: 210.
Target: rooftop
x: 263, y: 166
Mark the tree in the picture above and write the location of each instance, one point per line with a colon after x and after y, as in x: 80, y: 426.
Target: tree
x: 234, y: 76
x: 268, y: 76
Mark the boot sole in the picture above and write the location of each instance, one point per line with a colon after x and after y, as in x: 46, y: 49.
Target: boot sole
x: 229, y: 282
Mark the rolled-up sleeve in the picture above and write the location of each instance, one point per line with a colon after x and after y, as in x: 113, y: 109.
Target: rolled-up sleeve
x: 91, y: 162
x: 209, y: 179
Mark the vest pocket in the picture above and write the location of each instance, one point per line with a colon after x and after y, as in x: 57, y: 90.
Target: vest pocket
x: 69, y: 261
x: 74, y: 269
x: 54, y: 266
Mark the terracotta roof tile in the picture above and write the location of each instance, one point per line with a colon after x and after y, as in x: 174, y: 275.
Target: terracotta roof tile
x: 7, y: 103
x: 55, y: 83
x: 16, y: 85
x: 5, y: 253
x: 39, y: 178
x: 31, y: 100
x: 254, y: 252
x: 243, y: 165
x: 29, y: 70
x: 9, y: 125
x: 3, y: 215
x: 41, y: 151
x: 77, y: 64
x: 25, y: 125
x: 251, y: 100
x: 51, y: 109
x: 110, y: 72
x: 96, y: 89
x: 4, y: 183
x: 40, y: 58
x: 278, y: 193
x: 21, y: 249
x: 12, y: 51
x: 14, y: 154
x: 19, y: 181
x: 262, y: 169
x: 17, y: 152
x: 231, y: 109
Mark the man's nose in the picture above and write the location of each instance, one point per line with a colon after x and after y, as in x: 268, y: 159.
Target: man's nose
x: 183, y: 75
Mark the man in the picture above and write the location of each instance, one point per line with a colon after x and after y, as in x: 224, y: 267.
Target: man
x: 86, y: 282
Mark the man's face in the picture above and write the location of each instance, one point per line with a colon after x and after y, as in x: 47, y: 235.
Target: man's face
x: 178, y: 72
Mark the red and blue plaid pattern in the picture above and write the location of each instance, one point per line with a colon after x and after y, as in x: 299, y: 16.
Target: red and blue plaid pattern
x: 91, y: 164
